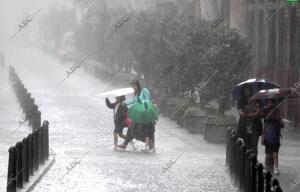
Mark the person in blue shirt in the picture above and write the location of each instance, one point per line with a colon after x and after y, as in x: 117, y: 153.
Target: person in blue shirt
x: 271, y: 136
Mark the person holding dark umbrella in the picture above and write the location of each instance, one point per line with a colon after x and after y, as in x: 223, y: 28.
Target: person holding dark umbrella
x: 246, y: 112
x: 250, y: 125
x: 272, y: 123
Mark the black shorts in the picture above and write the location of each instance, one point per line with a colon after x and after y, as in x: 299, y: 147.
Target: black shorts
x: 272, y: 148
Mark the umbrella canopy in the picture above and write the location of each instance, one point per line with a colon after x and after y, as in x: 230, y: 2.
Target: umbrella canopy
x: 255, y: 84
x: 118, y: 92
x: 277, y: 94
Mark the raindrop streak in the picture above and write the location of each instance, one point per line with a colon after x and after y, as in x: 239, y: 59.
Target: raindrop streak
x: 118, y: 26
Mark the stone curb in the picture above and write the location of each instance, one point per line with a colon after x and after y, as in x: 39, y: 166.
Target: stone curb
x: 28, y: 187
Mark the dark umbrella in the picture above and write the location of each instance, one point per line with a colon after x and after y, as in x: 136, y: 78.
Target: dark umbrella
x: 255, y: 84
x: 276, y: 94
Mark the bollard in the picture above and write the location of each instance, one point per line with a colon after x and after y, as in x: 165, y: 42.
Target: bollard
x: 32, y: 108
x: 36, y: 120
x: 34, y: 150
x: 30, y: 114
x: 260, y: 177
x: 27, y: 102
x: 36, y: 137
x: 12, y: 170
x: 19, y: 176
x: 26, y: 159
x: 41, y: 145
x: 276, y: 186
x: 30, y: 153
x: 241, y: 163
x: 247, y: 168
x: 23, y: 100
x: 252, y: 172
x: 46, y: 139
x: 253, y: 184
x: 228, y: 146
x: 268, y: 181
x: 233, y: 153
x: 17, y: 89
x: 239, y: 145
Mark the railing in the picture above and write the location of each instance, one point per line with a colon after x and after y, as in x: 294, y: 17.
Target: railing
x: 26, y: 156
x: 245, y: 169
x: 30, y: 109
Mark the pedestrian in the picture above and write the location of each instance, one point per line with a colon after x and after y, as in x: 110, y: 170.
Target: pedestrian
x: 120, y: 117
x: 244, y: 109
x: 143, y: 114
x: 255, y: 131
x: 271, y: 137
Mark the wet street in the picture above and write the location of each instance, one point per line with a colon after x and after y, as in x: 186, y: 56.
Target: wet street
x: 81, y: 129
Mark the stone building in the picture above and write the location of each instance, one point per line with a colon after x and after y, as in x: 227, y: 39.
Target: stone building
x: 273, y: 27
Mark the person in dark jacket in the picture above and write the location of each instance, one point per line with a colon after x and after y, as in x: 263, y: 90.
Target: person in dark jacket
x: 245, y: 122
x: 120, y: 114
x: 257, y: 126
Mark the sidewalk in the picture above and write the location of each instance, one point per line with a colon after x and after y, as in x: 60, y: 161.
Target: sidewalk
x: 289, y: 159
x: 10, y: 130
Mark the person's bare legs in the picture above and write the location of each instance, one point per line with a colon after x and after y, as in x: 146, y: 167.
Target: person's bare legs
x: 147, y: 143
x: 122, y: 135
x: 151, y: 144
x: 115, y: 139
x: 128, y: 137
x: 275, y: 160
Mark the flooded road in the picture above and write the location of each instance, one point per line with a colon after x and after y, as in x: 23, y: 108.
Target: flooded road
x: 81, y: 130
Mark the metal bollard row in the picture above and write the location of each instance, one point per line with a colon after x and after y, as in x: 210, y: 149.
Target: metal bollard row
x: 246, y: 171
x: 26, y: 156
x: 27, y: 103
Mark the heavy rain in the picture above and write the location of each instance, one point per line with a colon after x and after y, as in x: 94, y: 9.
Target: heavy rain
x: 149, y: 95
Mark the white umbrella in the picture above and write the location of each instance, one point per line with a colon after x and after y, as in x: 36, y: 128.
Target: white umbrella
x: 118, y: 92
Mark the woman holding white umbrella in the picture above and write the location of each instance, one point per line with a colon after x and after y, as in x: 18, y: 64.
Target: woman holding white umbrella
x: 143, y: 113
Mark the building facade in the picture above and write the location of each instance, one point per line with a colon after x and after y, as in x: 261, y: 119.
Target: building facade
x: 273, y: 27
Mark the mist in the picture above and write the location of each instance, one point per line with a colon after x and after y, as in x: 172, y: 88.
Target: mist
x: 149, y: 95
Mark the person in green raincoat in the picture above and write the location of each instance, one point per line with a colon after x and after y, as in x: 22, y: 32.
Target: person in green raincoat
x: 142, y: 111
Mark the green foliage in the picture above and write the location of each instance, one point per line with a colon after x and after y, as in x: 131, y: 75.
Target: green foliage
x: 167, y: 50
